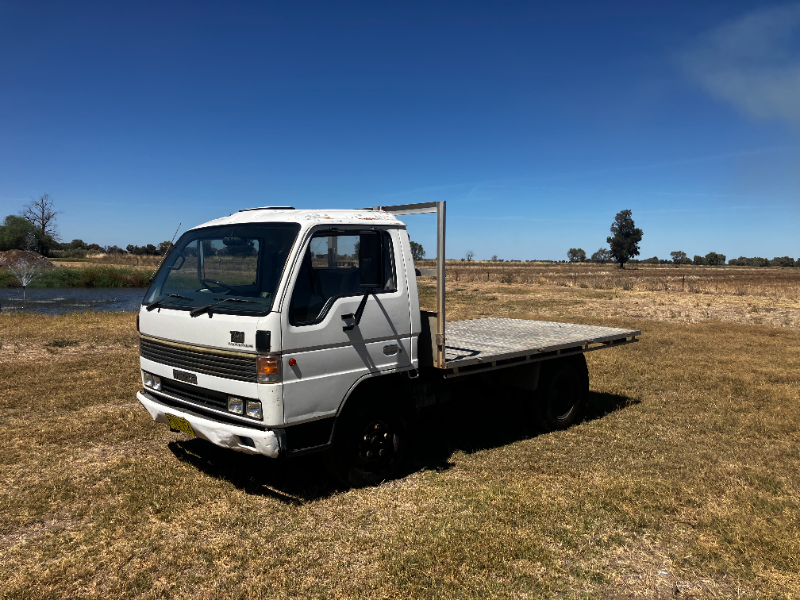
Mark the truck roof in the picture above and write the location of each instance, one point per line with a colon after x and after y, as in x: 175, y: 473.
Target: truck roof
x: 307, y: 218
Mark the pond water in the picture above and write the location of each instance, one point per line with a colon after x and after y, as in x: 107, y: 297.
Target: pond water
x: 54, y: 301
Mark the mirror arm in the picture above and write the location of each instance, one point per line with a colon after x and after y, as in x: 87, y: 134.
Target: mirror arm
x: 360, y: 309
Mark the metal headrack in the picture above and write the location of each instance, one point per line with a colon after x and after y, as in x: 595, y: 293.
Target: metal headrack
x: 440, y: 209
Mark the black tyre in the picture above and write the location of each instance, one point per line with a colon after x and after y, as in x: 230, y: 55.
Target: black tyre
x: 369, y: 445
x: 562, y: 393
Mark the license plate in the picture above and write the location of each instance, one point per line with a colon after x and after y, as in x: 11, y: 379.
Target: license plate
x: 180, y: 424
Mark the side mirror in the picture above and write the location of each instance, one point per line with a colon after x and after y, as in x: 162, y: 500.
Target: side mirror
x: 178, y: 263
x: 370, y: 260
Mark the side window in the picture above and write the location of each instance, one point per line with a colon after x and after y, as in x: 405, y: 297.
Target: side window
x: 329, y: 270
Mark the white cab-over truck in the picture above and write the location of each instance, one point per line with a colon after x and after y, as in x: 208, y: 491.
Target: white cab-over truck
x: 282, y: 332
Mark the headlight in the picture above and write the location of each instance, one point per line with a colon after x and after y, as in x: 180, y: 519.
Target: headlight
x: 235, y: 405
x: 254, y: 410
x: 147, y: 378
x: 269, y: 369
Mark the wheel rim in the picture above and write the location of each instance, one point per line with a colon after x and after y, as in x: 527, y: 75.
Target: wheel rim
x: 563, y: 397
x: 375, y: 448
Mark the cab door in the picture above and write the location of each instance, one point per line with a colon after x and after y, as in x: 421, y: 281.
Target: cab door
x: 335, y: 328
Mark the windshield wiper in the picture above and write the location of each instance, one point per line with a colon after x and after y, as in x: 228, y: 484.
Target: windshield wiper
x: 208, y: 307
x: 153, y: 305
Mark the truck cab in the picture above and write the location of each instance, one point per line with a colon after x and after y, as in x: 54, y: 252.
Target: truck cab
x: 258, y: 327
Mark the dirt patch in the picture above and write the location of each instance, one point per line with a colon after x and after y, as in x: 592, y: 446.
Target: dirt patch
x: 642, y: 568
x: 13, y: 256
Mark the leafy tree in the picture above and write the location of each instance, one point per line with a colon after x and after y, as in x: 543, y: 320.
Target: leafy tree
x: 15, y: 232
x: 576, y: 255
x: 678, y: 256
x: 714, y: 259
x: 165, y: 247
x: 651, y: 261
x: 625, y: 239
x: 494, y: 258
x: 603, y: 255
x: 699, y: 260
x: 150, y: 249
x: 417, y: 251
x: 782, y: 261
x: 78, y: 245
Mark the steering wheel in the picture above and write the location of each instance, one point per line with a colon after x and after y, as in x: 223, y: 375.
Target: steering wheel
x: 219, y: 283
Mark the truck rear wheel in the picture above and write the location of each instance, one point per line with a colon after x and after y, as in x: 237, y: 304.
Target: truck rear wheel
x: 562, y: 393
x: 369, y: 445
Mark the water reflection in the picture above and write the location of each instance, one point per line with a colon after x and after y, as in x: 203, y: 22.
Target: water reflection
x: 54, y: 301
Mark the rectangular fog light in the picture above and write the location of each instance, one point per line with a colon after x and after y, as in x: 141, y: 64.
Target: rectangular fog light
x: 254, y: 409
x: 235, y: 405
x: 147, y: 378
x: 156, y: 382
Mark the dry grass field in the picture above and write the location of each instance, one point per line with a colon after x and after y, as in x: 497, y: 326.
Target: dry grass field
x: 118, y: 260
x: 683, y: 479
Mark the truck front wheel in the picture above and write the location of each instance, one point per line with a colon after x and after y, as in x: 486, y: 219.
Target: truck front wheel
x: 369, y: 445
x: 562, y: 393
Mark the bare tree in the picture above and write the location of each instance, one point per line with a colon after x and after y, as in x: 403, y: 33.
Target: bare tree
x: 470, y: 255
x: 41, y: 214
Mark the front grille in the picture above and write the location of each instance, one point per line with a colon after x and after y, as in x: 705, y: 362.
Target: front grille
x: 206, y: 402
x: 229, y: 365
x: 196, y: 395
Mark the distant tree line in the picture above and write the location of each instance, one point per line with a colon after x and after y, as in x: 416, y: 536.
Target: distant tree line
x: 757, y: 261
x: 35, y: 229
x: 680, y: 258
x: 624, y: 245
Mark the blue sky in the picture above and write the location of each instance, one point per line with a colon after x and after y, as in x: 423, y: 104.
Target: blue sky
x: 536, y: 121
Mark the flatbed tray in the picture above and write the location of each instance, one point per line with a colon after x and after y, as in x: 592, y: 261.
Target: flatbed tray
x: 496, y: 342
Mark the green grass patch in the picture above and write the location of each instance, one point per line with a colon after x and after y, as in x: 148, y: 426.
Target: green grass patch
x: 86, y: 260
x: 7, y: 279
x: 100, y: 276
x: 61, y: 343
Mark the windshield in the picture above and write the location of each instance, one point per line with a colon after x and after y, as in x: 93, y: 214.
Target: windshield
x: 233, y: 262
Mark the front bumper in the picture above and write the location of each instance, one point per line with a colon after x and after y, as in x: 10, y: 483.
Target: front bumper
x: 269, y: 443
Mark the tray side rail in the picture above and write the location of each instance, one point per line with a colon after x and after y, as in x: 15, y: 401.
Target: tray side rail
x: 513, y: 359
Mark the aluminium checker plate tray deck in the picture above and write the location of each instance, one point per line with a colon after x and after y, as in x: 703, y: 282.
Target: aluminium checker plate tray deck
x: 487, y: 342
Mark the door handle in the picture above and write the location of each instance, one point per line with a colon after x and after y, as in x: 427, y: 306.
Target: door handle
x: 391, y: 349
